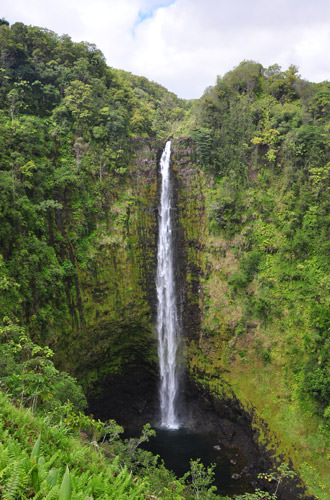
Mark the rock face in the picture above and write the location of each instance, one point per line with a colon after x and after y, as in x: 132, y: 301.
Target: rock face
x: 189, y: 228
x: 129, y: 392
x: 114, y: 344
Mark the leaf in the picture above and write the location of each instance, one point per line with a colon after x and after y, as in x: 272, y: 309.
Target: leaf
x: 35, y: 478
x: 36, y: 450
x: 66, y: 487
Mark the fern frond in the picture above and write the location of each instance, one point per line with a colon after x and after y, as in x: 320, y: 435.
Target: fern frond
x: 14, y: 481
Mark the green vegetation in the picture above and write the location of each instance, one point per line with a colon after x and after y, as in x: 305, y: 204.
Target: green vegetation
x: 263, y: 137
x: 50, y: 449
x: 30, y: 377
x: 55, y: 464
x: 71, y: 201
x: 78, y: 196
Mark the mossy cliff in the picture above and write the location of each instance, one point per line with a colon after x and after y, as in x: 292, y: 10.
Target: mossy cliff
x: 115, y: 350
x: 263, y: 253
x: 246, y: 347
x: 189, y: 223
x: 114, y: 338
x: 237, y: 328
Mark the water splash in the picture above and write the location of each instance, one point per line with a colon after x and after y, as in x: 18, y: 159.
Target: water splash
x: 167, y: 317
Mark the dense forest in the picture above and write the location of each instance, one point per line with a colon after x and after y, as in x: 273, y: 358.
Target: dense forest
x: 78, y: 191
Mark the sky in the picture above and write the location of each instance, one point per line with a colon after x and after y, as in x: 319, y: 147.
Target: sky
x: 185, y: 44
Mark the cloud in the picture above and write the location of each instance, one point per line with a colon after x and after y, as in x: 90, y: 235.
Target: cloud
x: 185, y: 44
x: 190, y: 42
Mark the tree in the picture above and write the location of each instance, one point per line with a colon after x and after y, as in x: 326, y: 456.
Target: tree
x: 29, y: 375
x: 201, y: 478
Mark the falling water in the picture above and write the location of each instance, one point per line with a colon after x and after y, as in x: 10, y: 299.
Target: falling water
x: 167, y: 317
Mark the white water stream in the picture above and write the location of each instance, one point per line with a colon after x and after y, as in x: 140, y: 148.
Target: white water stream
x: 167, y: 316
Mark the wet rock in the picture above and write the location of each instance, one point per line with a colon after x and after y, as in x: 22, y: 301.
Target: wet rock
x: 228, y: 429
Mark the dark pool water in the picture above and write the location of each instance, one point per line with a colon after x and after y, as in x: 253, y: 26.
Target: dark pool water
x: 178, y: 447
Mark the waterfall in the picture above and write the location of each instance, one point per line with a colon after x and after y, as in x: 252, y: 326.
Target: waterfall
x: 167, y: 317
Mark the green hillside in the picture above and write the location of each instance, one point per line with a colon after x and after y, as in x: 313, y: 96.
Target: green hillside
x: 263, y: 138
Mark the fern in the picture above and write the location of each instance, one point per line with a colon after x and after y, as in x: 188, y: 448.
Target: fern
x: 39, y: 496
x: 52, y: 477
x: 16, y: 478
x: 92, y: 474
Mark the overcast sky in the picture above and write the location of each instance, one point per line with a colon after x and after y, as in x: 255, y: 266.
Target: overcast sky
x: 185, y: 44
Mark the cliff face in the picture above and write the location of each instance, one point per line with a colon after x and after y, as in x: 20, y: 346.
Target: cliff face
x: 240, y: 347
x: 115, y: 346
x: 190, y: 219
x: 111, y: 343
x: 237, y: 317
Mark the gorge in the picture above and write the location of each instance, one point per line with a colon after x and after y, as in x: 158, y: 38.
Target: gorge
x: 80, y: 181
x: 223, y: 432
